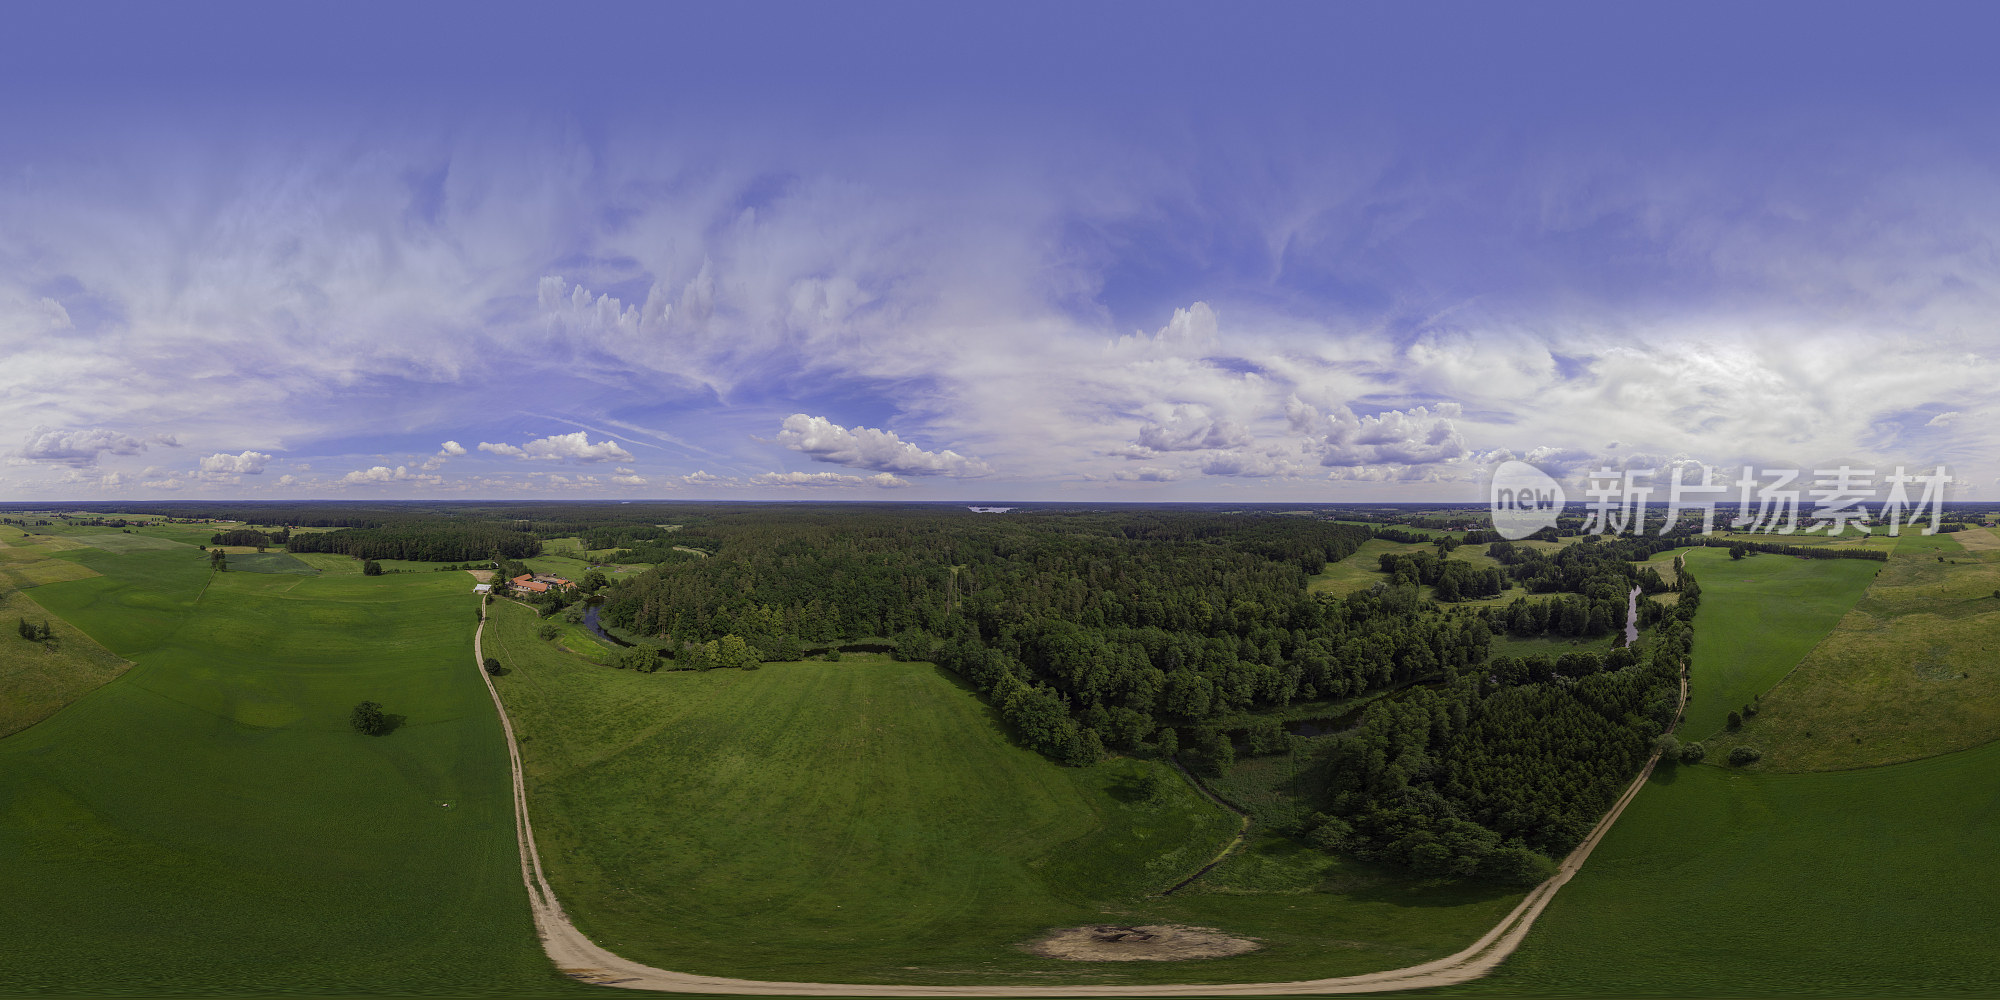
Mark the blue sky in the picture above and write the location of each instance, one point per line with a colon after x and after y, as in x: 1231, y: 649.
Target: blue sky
x: 936, y: 251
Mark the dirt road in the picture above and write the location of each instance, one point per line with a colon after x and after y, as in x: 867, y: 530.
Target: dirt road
x: 579, y: 958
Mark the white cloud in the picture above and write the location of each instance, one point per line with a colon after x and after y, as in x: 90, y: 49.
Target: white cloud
x: 1147, y: 474
x: 383, y: 474
x: 1943, y: 419
x: 53, y: 315
x: 249, y: 463
x: 288, y: 480
x: 702, y: 477
x: 629, y: 480
x: 1191, y: 427
x: 451, y: 449
x: 868, y: 448
x: 880, y: 480
x: 804, y: 479
x: 574, y: 447
x: 80, y: 447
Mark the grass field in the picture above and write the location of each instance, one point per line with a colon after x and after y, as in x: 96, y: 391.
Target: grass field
x: 209, y: 823
x: 1717, y: 883
x: 869, y: 821
x: 1759, y: 617
x: 1909, y: 672
x: 37, y: 679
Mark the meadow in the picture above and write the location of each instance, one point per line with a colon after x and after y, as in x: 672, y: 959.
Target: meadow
x: 1907, y: 673
x: 210, y: 822
x: 1876, y: 882
x: 871, y: 821
x: 1760, y: 615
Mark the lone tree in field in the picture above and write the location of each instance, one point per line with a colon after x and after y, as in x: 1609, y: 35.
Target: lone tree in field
x: 1693, y: 753
x: 371, y: 568
x: 368, y: 719
x: 493, y: 666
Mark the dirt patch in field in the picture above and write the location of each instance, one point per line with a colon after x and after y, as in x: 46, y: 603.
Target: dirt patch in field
x: 481, y: 575
x: 1144, y: 943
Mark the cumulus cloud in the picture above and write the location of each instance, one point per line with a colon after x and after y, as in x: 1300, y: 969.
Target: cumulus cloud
x: 880, y: 480
x: 83, y: 447
x: 451, y: 449
x: 574, y: 447
x: 1246, y: 466
x: 629, y: 480
x: 1192, y: 427
x: 1420, y: 435
x: 288, y: 480
x: 703, y: 477
x: 249, y: 463
x: 1147, y: 474
x: 868, y: 448
x: 383, y: 474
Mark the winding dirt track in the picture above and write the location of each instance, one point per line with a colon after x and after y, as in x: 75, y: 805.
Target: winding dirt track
x: 579, y: 958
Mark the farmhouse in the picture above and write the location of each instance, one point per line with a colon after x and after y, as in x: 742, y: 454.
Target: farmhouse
x: 537, y: 583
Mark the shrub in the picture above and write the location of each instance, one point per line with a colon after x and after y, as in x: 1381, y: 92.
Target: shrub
x: 1735, y: 720
x: 547, y: 631
x: 1744, y: 755
x: 1693, y: 753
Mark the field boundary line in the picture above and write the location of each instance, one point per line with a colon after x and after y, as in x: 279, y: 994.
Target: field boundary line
x: 581, y: 959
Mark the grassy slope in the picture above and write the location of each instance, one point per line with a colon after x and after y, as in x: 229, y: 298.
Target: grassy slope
x: 1719, y: 883
x: 1908, y: 673
x: 210, y: 823
x: 870, y: 821
x: 37, y: 680
x: 1759, y: 617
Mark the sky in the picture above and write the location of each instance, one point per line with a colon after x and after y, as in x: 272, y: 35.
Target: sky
x: 1025, y: 251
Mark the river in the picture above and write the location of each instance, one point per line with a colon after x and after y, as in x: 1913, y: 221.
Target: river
x: 1631, y: 617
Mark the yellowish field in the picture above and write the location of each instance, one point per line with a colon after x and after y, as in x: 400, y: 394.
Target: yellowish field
x: 1909, y: 672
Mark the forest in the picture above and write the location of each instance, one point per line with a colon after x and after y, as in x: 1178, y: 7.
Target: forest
x: 1094, y: 633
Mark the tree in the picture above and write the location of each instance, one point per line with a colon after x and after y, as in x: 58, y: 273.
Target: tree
x: 368, y: 719
x: 1735, y: 720
x: 1170, y: 741
x: 1738, y: 552
x: 1693, y: 753
x: 371, y: 568
x: 1669, y: 747
x: 493, y: 666
x: 547, y: 631
x: 1744, y: 755
x: 1223, y: 757
x: 732, y: 651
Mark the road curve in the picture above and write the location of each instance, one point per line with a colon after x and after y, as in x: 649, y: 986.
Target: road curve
x: 581, y: 959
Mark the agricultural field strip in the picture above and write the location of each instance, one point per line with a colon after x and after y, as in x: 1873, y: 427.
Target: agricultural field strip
x: 579, y: 958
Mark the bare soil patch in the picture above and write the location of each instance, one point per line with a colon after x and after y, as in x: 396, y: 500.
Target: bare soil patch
x: 481, y: 575
x: 1144, y: 943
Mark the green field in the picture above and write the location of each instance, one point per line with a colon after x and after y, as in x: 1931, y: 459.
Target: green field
x: 1718, y: 883
x: 870, y: 821
x: 37, y: 679
x: 209, y: 823
x: 1908, y: 673
x: 1759, y: 617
